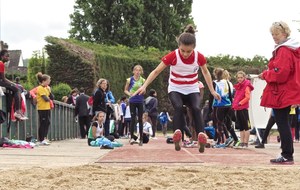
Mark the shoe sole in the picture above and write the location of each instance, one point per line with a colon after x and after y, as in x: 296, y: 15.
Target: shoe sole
x: 131, y: 142
x: 229, y: 143
x: 44, y: 144
x: 202, y: 140
x: 283, y: 163
x: 176, y: 139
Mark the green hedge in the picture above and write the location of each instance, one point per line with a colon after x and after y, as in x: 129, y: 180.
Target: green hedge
x: 81, y: 64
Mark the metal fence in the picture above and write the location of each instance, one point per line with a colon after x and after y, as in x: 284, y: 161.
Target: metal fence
x: 63, y: 124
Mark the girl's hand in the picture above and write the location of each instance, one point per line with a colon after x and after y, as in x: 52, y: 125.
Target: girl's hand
x: 216, y: 95
x: 140, y: 91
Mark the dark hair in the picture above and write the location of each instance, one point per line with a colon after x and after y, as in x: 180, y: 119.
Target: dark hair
x: 75, y: 90
x: 42, y: 77
x: 3, y: 52
x: 218, y: 72
x: 152, y: 92
x: 123, y: 98
x: 81, y: 90
x: 188, y: 36
x: 17, y: 79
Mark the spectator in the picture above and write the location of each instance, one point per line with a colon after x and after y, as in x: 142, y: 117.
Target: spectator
x: 241, y: 104
x: 109, y: 100
x: 99, y: 97
x: 136, y: 101
x: 72, y: 97
x: 4, y: 82
x: 82, y: 111
x: 44, y: 97
x: 163, y: 119
x: 282, y: 89
x: 147, y: 128
x: 151, y: 108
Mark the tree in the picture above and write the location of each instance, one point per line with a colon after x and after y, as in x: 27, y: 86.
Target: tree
x: 132, y: 23
x: 37, y: 63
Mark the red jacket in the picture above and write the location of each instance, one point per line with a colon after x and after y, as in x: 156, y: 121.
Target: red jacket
x: 282, y: 77
x: 242, y: 95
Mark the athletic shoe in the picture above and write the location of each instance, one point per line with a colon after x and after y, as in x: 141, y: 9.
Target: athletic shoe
x: 260, y: 145
x: 44, y: 142
x: 228, y: 141
x: 24, y: 116
x: 189, y: 144
x: 236, y: 143
x: 219, y: 146
x: 141, y: 143
x: 177, y: 136
x: 239, y: 145
x: 20, y: 116
x: 106, y: 147
x: 282, y: 160
x: 132, y: 141
x: 202, y: 140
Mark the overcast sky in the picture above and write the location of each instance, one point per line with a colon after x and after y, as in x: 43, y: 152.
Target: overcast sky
x: 235, y: 27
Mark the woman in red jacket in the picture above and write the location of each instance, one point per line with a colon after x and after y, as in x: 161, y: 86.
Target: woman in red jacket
x: 282, y: 89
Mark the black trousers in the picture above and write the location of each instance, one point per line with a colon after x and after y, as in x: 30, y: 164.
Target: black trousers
x: 44, y: 121
x: 284, y: 128
x: 269, y: 126
x: 107, y: 121
x: 16, y: 93
x: 154, y: 124
x: 84, y: 125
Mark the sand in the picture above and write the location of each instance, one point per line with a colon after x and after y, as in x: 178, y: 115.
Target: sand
x: 95, y: 176
x: 71, y: 164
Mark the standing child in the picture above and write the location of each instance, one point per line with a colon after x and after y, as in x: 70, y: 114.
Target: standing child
x: 163, y: 119
x: 183, y: 89
x: 44, y: 98
x: 136, y: 101
x: 241, y: 104
x: 127, y: 120
x: 151, y: 103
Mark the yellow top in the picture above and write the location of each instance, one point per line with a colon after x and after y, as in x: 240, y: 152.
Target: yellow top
x: 293, y: 111
x: 41, y: 103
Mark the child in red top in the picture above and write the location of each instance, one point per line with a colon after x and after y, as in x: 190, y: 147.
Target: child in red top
x: 241, y: 104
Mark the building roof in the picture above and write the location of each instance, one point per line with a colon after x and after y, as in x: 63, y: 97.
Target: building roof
x: 16, y: 62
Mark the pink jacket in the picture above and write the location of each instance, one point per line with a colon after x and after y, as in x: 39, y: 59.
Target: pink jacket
x: 242, y: 95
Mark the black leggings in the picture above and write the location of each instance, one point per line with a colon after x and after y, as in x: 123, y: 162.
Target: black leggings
x: 193, y: 102
x: 136, y: 109
x: 44, y: 118
x: 16, y: 93
x: 269, y: 126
